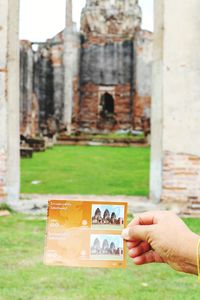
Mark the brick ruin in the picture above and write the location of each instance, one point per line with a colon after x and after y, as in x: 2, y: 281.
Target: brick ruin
x: 175, y: 140
x: 41, y: 87
x: 112, y: 64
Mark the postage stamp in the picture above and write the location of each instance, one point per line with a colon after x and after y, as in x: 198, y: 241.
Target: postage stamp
x: 106, y: 247
x: 107, y: 217
x: 85, y: 234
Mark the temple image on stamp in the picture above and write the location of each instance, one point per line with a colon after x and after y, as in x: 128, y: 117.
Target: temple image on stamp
x: 106, y: 247
x: 109, y: 217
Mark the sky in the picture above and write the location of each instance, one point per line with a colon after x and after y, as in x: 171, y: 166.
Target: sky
x: 42, y: 19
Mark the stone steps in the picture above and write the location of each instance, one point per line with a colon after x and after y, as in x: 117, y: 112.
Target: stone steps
x: 104, y: 141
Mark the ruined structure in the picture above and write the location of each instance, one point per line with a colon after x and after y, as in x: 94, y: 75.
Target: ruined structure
x: 106, y: 69
x: 175, y: 155
x: 115, y: 62
x: 29, y: 105
x: 107, y: 64
x: 42, y: 95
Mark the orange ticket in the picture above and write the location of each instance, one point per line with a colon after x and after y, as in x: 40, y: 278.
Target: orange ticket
x: 86, y: 234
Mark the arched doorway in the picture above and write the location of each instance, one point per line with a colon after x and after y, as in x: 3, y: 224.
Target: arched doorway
x: 107, y: 106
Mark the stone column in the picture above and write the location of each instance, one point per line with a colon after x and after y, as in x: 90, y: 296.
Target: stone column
x: 9, y: 100
x: 175, y: 162
x: 157, y: 103
x: 26, y: 88
x: 68, y: 62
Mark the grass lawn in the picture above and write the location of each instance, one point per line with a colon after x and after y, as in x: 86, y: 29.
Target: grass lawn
x: 24, y: 277
x: 87, y: 170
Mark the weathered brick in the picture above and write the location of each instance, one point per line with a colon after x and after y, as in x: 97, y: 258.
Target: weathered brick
x: 181, y: 181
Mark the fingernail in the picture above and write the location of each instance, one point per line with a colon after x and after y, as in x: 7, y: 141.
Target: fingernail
x: 125, y: 233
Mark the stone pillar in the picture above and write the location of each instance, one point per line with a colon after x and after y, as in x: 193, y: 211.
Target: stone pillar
x: 68, y: 62
x: 26, y: 88
x: 9, y: 100
x: 175, y: 161
x: 156, y: 106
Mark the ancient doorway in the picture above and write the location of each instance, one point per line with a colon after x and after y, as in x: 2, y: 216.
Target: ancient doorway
x: 107, y: 105
x: 106, y: 108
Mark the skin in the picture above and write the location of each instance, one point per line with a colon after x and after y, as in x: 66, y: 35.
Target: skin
x: 162, y: 237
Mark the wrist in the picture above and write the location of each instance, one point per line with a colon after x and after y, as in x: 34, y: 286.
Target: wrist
x: 189, y: 257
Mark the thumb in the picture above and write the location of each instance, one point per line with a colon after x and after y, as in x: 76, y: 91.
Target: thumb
x: 137, y: 232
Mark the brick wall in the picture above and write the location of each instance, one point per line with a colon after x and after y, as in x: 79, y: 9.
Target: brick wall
x: 142, y: 109
x: 89, y: 114
x: 97, y: 39
x: 181, y: 181
x: 124, y: 106
x: 88, y: 106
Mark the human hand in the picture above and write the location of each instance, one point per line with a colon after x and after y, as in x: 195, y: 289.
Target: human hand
x: 162, y: 237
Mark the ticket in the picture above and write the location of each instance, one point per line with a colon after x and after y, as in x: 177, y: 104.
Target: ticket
x: 85, y: 234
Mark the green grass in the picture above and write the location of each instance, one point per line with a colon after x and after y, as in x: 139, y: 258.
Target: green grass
x: 24, y: 277
x: 87, y: 170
